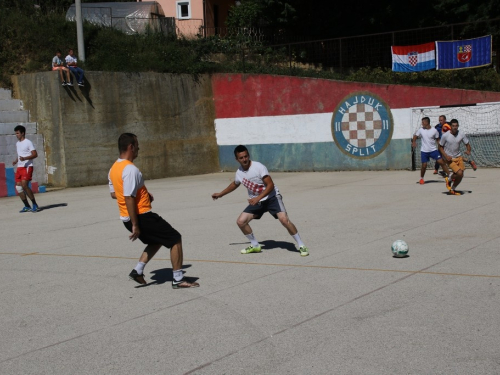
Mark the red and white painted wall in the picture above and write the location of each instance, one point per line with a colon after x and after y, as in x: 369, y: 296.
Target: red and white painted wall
x: 305, y: 124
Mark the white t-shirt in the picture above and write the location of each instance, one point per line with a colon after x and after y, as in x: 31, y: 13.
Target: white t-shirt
x: 252, y: 179
x: 451, y: 143
x: 70, y: 59
x: 428, y: 137
x: 132, y: 181
x: 24, y: 149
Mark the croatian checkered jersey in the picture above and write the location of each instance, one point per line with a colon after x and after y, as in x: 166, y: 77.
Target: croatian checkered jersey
x: 252, y: 180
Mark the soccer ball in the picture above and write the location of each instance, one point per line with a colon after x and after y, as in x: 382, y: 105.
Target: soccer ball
x: 400, y: 248
x: 445, y: 128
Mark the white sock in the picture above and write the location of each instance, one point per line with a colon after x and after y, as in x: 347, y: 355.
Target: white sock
x: 178, y: 275
x: 296, y: 237
x: 140, y: 268
x: 252, y: 239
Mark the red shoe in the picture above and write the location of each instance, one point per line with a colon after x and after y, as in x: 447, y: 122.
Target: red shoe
x: 422, y: 181
x: 435, y: 172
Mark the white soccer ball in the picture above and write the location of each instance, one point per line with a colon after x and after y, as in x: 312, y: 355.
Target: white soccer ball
x: 400, y: 249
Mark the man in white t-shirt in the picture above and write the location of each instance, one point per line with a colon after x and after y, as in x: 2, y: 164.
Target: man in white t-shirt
x: 429, y: 148
x: 263, y: 196
x: 25, y: 154
x: 72, y: 64
x: 449, y: 146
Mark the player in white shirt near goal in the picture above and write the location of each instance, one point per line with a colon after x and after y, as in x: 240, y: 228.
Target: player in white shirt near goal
x: 429, y: 148
x: 263, y: 196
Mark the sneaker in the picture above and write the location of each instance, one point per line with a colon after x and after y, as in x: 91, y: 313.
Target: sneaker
x: 80, y: 84
x: 69, y: 84
x: 35, y: 208
x: 435, y: 172
x: 184, y: 284
x: 251, y: 249
x: 136, y: 277
x: 422, y: 181
x: 454, y: 192
x: 442, y: 173
x: 64, y: 83
x: 303, y: 251
x: 448, y: 185
x: 25, y: 209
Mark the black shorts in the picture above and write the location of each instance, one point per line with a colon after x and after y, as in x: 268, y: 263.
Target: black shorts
x: 155, y: 230
x: 272, y: 205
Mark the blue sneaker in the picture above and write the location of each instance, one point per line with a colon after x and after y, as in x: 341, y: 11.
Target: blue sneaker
x: 35, y: 208
x: 25, y: 209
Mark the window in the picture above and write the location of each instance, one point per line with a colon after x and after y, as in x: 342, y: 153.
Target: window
x: 183, y: 10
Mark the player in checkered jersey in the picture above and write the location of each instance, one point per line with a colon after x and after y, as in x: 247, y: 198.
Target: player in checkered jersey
x: 263, y: 196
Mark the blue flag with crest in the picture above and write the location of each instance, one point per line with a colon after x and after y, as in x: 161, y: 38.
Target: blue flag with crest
x: 463, y: 54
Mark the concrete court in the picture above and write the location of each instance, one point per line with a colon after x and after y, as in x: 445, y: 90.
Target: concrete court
x: 67, y: 306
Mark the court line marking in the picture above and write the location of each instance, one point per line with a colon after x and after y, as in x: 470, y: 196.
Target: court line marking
x: 263, y: 264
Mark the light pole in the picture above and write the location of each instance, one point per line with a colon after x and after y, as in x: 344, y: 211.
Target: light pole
x: 79, y: 30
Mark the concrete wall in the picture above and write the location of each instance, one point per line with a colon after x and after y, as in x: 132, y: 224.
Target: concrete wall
x: 304, y: 124
x: 191, y: 126
x: 172, y: 115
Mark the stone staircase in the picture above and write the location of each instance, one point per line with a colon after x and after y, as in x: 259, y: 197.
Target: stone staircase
x: 12, y: 114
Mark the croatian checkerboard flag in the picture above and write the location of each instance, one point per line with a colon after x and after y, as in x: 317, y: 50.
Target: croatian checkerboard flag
x: 462, y: 54
x: 414, y: 58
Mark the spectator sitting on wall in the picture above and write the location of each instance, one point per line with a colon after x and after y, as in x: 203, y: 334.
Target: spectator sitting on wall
x: 58, y: 64
x: 71, y: 63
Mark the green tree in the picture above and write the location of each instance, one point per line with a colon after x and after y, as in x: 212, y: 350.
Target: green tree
x: 272, y: 14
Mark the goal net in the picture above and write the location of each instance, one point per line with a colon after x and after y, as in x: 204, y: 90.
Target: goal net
x: 481, y: 123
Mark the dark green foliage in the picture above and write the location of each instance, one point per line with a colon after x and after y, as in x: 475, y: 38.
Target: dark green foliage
x: 29, y: 37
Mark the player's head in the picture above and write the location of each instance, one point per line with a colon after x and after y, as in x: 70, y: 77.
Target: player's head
x: 426, y: 121
x: 128, y: 141
x: 20, y: 132
x: 242, y: 156
x: 21, y: 129
x: 239, y: 149
x: 454, y: 126
x: 442, y: 119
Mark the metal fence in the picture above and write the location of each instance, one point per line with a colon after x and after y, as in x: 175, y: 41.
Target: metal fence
x: 131, y: 24
x: 372, y: 50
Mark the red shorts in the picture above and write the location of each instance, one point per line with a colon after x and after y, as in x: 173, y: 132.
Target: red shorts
x: 24, y: 173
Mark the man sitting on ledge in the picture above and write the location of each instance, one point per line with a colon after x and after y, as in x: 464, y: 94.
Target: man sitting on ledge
x: 72, y: 64
x: 58, y: 64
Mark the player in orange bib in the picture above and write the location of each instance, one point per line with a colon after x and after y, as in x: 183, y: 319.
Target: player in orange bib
x: 126, y: 185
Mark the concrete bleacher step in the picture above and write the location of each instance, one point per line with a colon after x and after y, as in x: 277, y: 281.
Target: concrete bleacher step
x: 5, y: 94
x: 8, y: 128
x: 11, y: 105
x: 14, y: 116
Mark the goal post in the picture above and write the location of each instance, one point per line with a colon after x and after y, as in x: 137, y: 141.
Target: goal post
x: 480, y: 122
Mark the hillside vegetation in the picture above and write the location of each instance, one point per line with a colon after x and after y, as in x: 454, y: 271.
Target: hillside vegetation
x: 29, y: 38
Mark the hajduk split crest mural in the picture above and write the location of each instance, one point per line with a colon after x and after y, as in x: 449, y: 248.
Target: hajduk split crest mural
x: 362, y: 125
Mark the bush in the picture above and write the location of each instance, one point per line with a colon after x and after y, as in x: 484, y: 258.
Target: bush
x: 30, y: 36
